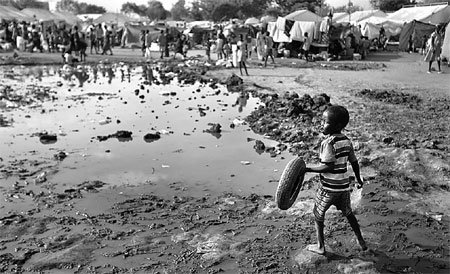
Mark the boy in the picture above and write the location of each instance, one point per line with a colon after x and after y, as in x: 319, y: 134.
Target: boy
x: 335, y: 151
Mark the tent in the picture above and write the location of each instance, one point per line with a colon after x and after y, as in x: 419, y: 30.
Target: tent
x: 11, y: 13
x: 40, y: 14
x: 267, y: 19
x: 304, y: 15
x: 357, y: 16
x: 134, y: 32
x: 417, y: 30
x: 372, y: 25
x: 436, y: 14
x: 68, y: 17
x: 118, y: 19
x: 252, y: 21
x: 446, y: 45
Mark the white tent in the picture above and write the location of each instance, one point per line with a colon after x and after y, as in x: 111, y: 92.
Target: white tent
x: 304, y: 16
x: 357, y: 16
x: 446, y: 45
x: 435, y: 14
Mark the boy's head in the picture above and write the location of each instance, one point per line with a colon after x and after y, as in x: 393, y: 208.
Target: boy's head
x: 335, y: 119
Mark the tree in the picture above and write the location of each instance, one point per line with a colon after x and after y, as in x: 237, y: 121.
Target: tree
x: 129, y: 7
x: 348, y: 9
x: 224, y: 12
x: 390, y: 5
x: 22, y: 4
x: 179, y: 11
x: 288, y: 6
x: 156, y: 11
x: 78, y: 7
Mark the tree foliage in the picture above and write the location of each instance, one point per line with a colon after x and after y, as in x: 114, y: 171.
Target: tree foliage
x: 288, y: 6
x: 22, y: 4
x: 390, y: 5
x: 179, y: 11
x: 75, y: 7
x: 156, y: 11
x: 130, y: 7
x: 224, y: 12
x: 348, y: 9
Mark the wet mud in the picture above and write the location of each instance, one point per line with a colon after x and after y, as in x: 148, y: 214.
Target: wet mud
x: 93, y: 226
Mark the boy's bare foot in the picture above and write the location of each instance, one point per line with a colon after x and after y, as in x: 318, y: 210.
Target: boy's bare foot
x: 316, y: 249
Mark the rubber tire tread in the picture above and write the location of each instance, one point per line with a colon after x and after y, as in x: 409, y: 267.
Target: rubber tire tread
x: 290, y: 183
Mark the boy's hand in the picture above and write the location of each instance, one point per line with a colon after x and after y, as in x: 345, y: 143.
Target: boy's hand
x: 359, y: 183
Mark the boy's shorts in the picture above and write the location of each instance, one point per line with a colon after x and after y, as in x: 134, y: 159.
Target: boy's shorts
x: 326, y: 198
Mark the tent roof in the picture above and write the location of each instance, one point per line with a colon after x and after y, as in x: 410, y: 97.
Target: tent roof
x: 357, y: 16
x: 40, y: 14
x: 10, y: 13
x: 70, y: 18
x: 116, y: 18
x: 379, y: 21
x: 303, y: 15
x: 430, y: 14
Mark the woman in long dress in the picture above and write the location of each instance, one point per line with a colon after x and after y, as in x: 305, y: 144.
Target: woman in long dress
x: 242, y: 53
x: 434, y: 49
x: 260, y: 43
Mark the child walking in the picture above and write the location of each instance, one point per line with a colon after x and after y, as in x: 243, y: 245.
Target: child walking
x: 334, y: 153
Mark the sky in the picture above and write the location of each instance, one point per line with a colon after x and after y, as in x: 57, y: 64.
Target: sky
x: 115, y: 5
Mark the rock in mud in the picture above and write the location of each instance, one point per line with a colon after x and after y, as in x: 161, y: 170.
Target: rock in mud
x: 151, y: 137
x: 306, y: 259
x: 234, y: 83
x: 215, y: 128
x: 46, y: 138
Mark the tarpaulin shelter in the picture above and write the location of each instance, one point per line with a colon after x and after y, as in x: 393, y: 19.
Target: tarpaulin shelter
x: 357, y: 16
x: 252, y: 21
x: 267, y: 19
x: 41, y: 14
x: 446, y: 44
x: 117, y: 19
x: 11, y: 13
x: 417, y: 30
x: 134, y: 32
x: 433, y: 14
x: 68, y: 17
x: 303, y: 15
x: 372, y: 25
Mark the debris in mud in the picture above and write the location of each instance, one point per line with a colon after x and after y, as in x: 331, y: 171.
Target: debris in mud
x: 391, y: 97
x: 91, y: 186
x: 60, y: 155
x: 121, y: 135
x: 290, y: 119
x: 215, y: 128
x: 151, y: 137
x: 234, y: 83
x: 46, y: 138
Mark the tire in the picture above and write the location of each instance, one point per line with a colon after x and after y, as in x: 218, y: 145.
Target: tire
x: 290, y: 183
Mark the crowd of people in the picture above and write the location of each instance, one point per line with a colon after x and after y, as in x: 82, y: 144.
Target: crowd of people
x: 40, y: 36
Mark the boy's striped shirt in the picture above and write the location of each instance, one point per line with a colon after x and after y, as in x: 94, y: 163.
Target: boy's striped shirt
x: 336, y: 148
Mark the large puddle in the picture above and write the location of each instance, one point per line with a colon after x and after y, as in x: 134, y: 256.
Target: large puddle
x: 112, y: 98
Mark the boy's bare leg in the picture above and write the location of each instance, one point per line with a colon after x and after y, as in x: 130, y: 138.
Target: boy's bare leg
x: 355, y: 226
x: 320, y: 247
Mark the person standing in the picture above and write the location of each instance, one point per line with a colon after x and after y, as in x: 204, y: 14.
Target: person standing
x: 260, y: 45
x: 269, y: 48
x: 434, y: 49
x: 242, y: 53
x: 142, y: 39
x: 148, y: 44
x: 99, y: 35
x: 335, y: 153
x: 162, y: 40
x: 93, y: 39
x: 306, y: 45
x: 107, y: 43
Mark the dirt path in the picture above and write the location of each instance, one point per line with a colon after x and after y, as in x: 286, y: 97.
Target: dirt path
x: 400, y: 129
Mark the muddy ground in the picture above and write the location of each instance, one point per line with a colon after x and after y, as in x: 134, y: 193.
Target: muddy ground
x: 399, y: 125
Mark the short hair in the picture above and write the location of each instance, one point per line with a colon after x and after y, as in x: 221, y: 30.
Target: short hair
x: 338, y: 115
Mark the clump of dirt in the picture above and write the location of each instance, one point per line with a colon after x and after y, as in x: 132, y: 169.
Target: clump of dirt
x: 290, y: 119
x: 406, y: 120
x: 391, y: 97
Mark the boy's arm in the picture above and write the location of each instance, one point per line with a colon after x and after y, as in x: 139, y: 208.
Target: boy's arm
x: 322, y: 168
x: 355, y: 167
